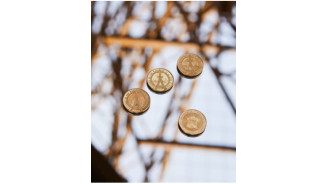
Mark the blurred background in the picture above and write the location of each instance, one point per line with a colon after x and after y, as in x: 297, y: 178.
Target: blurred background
x: 128, y: 39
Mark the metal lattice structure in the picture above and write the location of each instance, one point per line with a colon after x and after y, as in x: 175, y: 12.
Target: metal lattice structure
x: 130, y: 38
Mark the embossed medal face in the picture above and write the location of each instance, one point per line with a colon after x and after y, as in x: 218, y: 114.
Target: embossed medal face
x: 136, y: 101
x: 192, y: 123
x: 160, y: 80
x: 190, y: 65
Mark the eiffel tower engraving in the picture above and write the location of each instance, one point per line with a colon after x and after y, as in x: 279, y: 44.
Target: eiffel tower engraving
x: 135, y: 103
x: 160, y: 82
x: 190, y: 66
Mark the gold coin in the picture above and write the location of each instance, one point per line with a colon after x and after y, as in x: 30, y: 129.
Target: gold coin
x: 160, y: 80
x: 190, y: 65
x: 192, y: 123
x: 136, y: 101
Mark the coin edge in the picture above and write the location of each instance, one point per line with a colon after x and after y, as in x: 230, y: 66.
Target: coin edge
x: 194, y: 76
x: 123, y: 104
x: 192, y: 135
x: 161, y: 92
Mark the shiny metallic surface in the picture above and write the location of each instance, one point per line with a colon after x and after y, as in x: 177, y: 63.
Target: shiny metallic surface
x: 190, y: 65
x: 136, y: 101
x: 160, y: 80
x: 192, y: 122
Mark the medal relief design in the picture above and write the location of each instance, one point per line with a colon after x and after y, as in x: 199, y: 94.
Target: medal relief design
x: 160, y: 80
x: 192, y: 122
x: 190, y: 65
x: 136, y: 101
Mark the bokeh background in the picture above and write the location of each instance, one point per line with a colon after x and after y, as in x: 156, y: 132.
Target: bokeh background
x: 128, y: 40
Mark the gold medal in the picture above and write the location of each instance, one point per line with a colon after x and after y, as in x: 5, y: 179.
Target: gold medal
x: 136, y: 101
x: 192, y: 123
x: 190, y: 65
x: 160, y: 80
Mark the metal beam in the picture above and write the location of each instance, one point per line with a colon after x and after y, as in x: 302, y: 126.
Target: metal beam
x: 160, y: 44
x: 166, y: 144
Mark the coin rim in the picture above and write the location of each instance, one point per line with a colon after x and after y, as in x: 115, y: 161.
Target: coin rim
x: 188, y: 77
x: 161, y: 92
x: 192, y: 135
x: 193, y: 76
x: 142, y: 112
